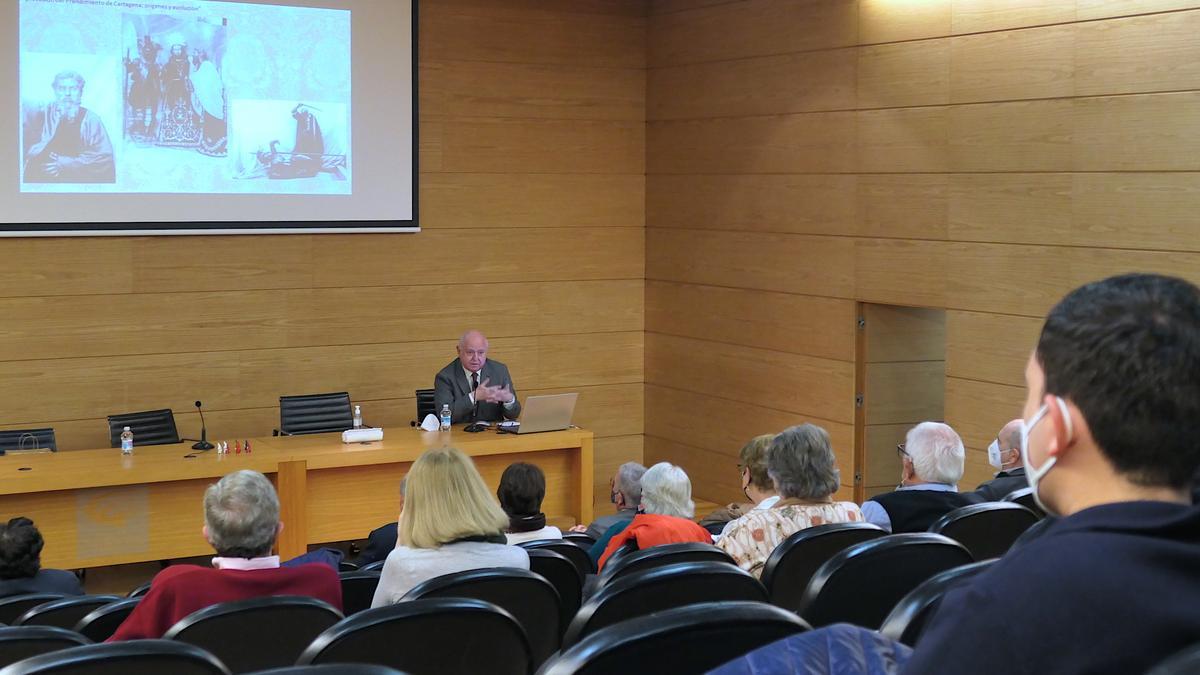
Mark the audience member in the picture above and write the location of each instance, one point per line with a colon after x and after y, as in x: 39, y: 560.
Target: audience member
x: 755, y: 483
x: 241, y: 523
x: 624, y: 490
x: 21, y: 569
x: 1004, y: 454
x: 665, y: 517
x: 803, y: 470
x: 522, y: 489
x: 382, y: 540
x: 932, y: 463
x: 449, y: 523
x: 1113, y: 414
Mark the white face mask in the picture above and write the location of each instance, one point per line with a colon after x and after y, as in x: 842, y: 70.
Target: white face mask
x: 994, y: 455
x: 1032, y: 475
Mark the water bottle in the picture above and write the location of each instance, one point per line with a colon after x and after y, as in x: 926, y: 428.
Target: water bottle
x: 446, y: 417
x: 126, y: 442
x: 357, y: 417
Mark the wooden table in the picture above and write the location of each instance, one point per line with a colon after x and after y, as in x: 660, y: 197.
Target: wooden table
x: 99, y: 507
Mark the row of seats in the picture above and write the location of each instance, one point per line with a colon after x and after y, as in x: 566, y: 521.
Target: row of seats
x: 306, y: 414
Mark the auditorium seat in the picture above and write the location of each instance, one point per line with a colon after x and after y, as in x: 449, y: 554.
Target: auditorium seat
x: 1185, y: 662
x: 531, y: 599
x: 358, y: 590
x: 64, y: 612
x: 572, y: 552
x: 333, y: 669
x: 135, y: 657
x: 425, y: 404
x: 149, y: 427
x: 862, y: 583
x: 581, y: 539
x: 682, y: 641
x: 281, y: 628
x: 140, y: 590
x: 907, y: 619
x: 1036, y: 530
x: 100, y: 624
x: 656, y: 556
x: 988, y: 530
x: 659, y: 588
x: 1024, y: 497
x: 21, y: 642
x: 425, y: 637
x: 14, y: 606
x: 791, y: 565
x: 27, y: 439
x: 314, y: 414
x: 376, y: 566
x: 563, y: 575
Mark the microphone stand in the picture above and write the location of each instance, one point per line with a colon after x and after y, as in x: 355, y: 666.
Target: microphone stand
x: 203, y: 444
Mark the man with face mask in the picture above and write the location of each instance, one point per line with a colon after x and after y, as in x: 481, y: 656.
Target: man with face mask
x: 1004, y: 454
x: 625, y: 491
x: 1108, y: 443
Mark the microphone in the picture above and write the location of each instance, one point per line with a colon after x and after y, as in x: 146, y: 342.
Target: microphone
x: 203, y: 444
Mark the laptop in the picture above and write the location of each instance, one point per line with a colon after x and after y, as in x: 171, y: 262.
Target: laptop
x: 543, y: 413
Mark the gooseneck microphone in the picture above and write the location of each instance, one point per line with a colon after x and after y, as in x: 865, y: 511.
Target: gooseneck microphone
x: 203, y: 444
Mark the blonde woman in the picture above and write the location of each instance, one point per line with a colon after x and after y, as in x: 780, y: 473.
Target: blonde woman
x: 449, y: 523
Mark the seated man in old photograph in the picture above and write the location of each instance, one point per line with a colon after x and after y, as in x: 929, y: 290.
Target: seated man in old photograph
x: 73, y: 146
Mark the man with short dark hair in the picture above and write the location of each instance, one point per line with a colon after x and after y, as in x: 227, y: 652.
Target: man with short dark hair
x: 1112, y: 415
x: 241, y: 522
x: 1004, y: 454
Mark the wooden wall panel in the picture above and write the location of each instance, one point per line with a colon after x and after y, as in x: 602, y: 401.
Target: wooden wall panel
x: 532, y: 133
x: 989, y: 157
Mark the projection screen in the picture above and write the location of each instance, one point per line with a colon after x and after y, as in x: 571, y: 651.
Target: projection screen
x: 208, y: 117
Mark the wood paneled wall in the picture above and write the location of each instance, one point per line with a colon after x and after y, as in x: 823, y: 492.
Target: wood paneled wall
x: 982, y: 156
x: 532, y: 132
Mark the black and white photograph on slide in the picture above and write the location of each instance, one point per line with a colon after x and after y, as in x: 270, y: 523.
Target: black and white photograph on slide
x: 174, y: 93
x: 64, y: 140
x: 301, y: 142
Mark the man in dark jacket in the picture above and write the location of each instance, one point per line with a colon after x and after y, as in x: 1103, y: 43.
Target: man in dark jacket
x: 1112, y: 415
x: 1004, y: 454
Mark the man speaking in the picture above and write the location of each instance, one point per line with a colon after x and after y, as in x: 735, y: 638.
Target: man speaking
x: 475, y: 387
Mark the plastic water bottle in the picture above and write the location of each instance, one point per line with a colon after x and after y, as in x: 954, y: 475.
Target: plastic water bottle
x: 126, y: 442
x: 357, y: 417
x: 445, y: 417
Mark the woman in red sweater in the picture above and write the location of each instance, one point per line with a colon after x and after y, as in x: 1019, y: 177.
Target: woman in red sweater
x: 665, y: 514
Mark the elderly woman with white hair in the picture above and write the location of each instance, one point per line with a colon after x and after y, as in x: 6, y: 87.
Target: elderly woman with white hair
x: 664, y: 516
x: 802, y: 466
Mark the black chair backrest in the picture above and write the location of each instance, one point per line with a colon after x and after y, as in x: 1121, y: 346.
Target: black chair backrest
x: 134, y: 657
x: 333, y: 669
x: 576, y: 555
x: 861, y: 584
x: 680, y: 641
x: 15, y: 605
x: 657, y: 556
x: 21, y: 642
x: 1036, y: 530
x: 581, y: 539
x: 988, y: 530
x: 1185, y: 662
x: 275, y: 629
x: 425, y: 405
x: 347, y: 566
x: 793, y: 562
x: 660, y: 588
x: 376, y: 566
x: 100, y: 624
x: 65, y: 612
x: 427, y: 636
x: 907, y: 619
x: 358, y: 590
x: 139, y: 591
x: 27, y: 439
x: 563, y: 575
x: 1024, y: 497
x: 531, y: 599
x: 315, y: 413
x: 150, y: 427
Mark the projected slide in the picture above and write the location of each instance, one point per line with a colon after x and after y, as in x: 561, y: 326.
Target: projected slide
x: 177, y: 96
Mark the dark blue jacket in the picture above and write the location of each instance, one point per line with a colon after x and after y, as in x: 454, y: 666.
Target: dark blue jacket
x: 1110, y: 589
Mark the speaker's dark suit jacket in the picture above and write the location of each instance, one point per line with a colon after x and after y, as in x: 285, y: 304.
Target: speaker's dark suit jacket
x: 451, y: 386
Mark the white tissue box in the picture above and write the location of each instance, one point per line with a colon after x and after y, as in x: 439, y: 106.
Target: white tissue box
x: 362, y: 435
